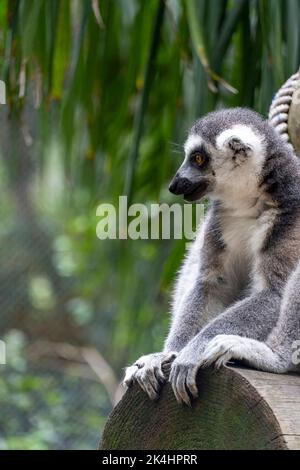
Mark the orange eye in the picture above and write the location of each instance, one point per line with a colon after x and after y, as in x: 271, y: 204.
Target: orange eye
x: 199, y: 159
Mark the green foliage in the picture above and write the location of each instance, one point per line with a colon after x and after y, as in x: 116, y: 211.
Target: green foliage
x: 40, y: 408
x: 100, y: 94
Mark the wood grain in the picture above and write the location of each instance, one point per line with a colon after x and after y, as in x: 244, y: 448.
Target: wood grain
x: 237, y: 408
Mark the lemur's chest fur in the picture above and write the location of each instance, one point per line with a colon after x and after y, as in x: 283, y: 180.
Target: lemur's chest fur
x: 244, y: 230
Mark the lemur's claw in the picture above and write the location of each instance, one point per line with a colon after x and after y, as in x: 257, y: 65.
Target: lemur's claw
x: 183, y: 380
x: 150, y: 372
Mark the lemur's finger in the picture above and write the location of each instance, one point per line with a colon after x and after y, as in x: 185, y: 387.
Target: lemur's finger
x: 141, y: 382
x: 191, y: 382
x: 129, y: 375
x: 212, y: 353
x: 173, y: 379
x: 147, y: 386
x: 166, y: 368
x: 210, y: 358
x: 169, y: 357
x: 148, y: 382
x: 159, y: 375
x: 180, y: 386
x: 223, y: 360
x: 166, y: 364
x: 149, y: 376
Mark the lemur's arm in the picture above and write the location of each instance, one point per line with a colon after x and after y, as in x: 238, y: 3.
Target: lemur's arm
x: 252, y: 317
x: 197, y: 296
x: 195, y: 302
x: 280, y: 353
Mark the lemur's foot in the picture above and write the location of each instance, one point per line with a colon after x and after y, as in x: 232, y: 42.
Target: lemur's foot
x: 150, y: 372
x: 225, y: 348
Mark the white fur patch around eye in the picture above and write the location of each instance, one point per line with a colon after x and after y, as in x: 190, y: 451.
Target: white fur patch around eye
x: 246, y: 135
x: 193, y: 142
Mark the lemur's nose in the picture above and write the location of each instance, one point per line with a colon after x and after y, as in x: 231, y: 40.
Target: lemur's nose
x: 181, y: 185
x: 173, y: 187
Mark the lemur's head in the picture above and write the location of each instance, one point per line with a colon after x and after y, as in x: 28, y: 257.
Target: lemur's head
x: 224, y: 152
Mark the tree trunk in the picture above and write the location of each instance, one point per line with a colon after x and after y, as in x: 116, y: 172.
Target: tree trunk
x: 237, y: 408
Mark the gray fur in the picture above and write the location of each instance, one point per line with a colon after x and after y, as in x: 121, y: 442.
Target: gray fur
x: 237, y: 293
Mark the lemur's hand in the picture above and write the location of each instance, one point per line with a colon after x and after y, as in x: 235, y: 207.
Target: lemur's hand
x: 183, y: 375
x: 149, y: 372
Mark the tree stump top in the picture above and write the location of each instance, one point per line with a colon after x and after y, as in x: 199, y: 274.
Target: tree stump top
x: 237, y: 408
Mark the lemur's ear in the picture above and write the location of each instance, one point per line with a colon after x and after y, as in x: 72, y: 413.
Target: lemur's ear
x: 237, y: 147
x: 239, y: 137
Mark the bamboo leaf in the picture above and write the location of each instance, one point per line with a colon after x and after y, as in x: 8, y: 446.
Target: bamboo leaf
x: 233, y: 17
x: 139, y: 117
x: 199, y: 45
x: 293, y: 35
x: 97, y: 13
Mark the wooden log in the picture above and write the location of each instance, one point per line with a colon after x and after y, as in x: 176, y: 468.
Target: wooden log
x: 237, y: 408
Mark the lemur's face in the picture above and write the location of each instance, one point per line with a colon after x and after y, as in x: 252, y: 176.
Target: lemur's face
x: 226, y: 158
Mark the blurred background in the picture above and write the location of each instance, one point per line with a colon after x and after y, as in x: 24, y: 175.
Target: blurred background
x: 99, y: 96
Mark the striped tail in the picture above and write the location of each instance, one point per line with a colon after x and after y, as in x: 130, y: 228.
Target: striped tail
x: 279, y: 109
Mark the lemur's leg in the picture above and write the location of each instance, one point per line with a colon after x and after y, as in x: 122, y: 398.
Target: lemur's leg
x: 196, y: 301
x: 253, y: 317
x: 278, y: 353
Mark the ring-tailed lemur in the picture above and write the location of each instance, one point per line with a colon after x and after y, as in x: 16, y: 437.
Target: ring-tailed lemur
x: 237, y: 295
